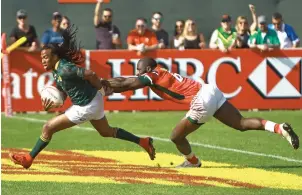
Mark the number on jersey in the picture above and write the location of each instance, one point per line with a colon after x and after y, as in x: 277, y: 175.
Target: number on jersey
x: 177, y: 77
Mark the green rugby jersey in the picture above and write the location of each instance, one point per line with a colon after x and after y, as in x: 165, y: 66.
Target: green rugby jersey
x: 270, y: 38
x: 70, y: 79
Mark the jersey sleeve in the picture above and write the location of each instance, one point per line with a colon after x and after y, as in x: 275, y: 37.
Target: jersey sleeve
x: 35, y: 36
x: 13, y: 33
x: 292, y: 34
x: 72, y: 71
x: 130, y: 39
x: 153, y: 38
x: 45, y: 38
x: 148, y: 79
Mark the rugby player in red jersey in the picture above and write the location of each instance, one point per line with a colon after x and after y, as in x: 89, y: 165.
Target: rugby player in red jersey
x: 206, y: 101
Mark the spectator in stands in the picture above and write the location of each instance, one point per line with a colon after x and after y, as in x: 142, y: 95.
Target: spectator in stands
x: 161, y: 34
x: 178, y: 29
x: 65, y: 23
x: 24, y: 29
x: 107, y: 34
x: 264, y: 39
x: 189, y: 38
x: 286, y: 33
x: 243, y: 29
x: 224, y: 37
x: 142, y: 39
x: 54, y: 34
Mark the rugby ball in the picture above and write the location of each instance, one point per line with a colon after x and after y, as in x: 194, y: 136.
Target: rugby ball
x: 55, y: 95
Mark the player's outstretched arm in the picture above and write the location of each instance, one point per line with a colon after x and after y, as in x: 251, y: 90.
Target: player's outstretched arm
x: 121, y: 84
x: 95, y: 80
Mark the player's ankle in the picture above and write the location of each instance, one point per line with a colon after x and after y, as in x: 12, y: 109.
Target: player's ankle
x: 277, y: 129
x: 192, y: 158
x: 271, y: 126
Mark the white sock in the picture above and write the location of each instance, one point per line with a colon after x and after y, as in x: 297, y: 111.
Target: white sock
x: 270, y: 126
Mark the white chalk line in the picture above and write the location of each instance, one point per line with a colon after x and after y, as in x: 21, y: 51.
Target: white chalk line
x: 35, y: 120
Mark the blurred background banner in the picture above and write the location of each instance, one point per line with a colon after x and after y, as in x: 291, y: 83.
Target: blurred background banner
x: 250, y: 80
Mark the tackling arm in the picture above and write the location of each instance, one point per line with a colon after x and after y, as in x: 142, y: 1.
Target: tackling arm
x: 121, y: 84
x: 95, y: 80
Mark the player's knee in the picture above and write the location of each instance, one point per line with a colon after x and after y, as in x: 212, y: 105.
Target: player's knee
x: 242, y: 126
x: 47, y: 131
x: 175, y: 139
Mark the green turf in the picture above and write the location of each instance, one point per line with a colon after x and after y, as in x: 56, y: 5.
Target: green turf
x: 18, y: 133
x: 43, y: 188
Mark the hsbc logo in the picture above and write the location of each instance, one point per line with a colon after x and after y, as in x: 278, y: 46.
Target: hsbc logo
x: 278, y: 77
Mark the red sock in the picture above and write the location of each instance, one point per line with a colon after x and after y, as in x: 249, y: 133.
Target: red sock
x: 193, y: 160
x: 277, y: 129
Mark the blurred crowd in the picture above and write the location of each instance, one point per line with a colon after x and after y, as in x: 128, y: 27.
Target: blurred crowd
x: 262, y: 34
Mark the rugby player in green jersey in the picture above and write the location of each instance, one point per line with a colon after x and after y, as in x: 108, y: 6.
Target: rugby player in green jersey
x: 82, y: 87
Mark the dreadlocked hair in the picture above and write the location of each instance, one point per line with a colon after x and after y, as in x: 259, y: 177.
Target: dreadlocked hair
x: 69, y: 50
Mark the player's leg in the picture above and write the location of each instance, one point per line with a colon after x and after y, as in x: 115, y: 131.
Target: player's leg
x: 102, y: 126
x: 230, y: 116
x: 50, y: 127
x: 100, y: 123
x: 178, y: 137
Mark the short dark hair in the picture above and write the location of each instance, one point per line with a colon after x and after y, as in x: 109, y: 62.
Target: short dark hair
x: 277, y: 15
x: 148, y: 61
x: 143, y: 19
x: 157, y: 13
x: 108, y: 9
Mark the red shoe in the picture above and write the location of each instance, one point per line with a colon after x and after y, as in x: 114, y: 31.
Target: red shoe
x: 25, y: 160
x: 147, y: 144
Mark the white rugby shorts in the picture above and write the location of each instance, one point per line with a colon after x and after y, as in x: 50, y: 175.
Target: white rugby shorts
x: 92, y: 111
x: 204, y: 105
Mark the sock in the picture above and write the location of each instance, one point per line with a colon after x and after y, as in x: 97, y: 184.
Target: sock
x: 40, y: 145
x: 192, y: 158
x: 125, y: 135
x: 271, y: 126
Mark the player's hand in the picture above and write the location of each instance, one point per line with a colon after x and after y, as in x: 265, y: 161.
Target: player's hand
x: 100, y: 1
x: 252, y: 8
x: 161, y: 45
x: 202, y: 45
x: 264, y: 47
x: 224, y: 50
x: 47, y: 104
x: 108, y: 90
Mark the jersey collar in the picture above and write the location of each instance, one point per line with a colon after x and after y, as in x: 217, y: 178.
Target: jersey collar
x: 57, y: 65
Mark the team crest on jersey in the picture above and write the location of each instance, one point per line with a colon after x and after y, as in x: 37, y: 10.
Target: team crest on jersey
x: 57, y: 78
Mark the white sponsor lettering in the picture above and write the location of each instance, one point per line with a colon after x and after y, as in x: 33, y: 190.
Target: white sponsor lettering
x: 29, y: 83
x: 213, y: 72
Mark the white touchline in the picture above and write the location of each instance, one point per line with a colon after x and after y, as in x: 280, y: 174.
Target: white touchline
x: 35, y: 120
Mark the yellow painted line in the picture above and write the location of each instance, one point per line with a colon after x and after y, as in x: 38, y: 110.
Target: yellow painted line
x: 260, y: 177
x: 58, y: 178
x: 162, y: 182
x: 44, y: 152
x: 255, y: 176
x: 36, y: 168
x: 27, y: 149
x: 216, y: 183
